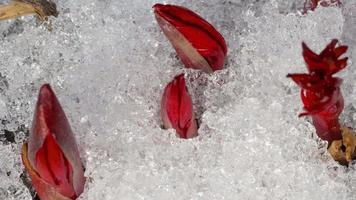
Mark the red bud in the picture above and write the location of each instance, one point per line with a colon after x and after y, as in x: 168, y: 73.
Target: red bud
x: 312, y: 4
x: 320, y: 92
x: 177, y: 109
x: 52, y: 159
x: 198, y: 44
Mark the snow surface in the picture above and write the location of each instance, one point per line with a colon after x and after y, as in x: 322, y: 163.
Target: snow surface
x: 108, y: 63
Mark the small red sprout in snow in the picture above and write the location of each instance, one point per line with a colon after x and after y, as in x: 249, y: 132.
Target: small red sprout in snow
x: 177, y: 109
x: 312, y: 4
x: 198, y: 44
x: 320, y: 91
x: 51, y: 156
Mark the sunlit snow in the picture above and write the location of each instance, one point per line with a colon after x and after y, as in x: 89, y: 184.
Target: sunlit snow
x: 108, y: 62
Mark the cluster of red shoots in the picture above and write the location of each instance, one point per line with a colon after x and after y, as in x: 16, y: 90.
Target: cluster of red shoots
x: 199, y: 46
x: 51, y: 155
x: 312, y: 4
x: 320, y: 92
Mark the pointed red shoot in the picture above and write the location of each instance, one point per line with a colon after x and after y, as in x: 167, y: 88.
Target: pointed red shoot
x: 177, y: 109
x: 52, y: 150
x: 320, y: 92
x: 198, y: 44
x: 312, y: 4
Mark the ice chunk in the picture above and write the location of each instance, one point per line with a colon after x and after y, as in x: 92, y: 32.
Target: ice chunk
x: 12, y: 180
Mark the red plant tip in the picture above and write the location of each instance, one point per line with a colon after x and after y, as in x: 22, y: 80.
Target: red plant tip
x: 327, y: 62
x: 320, y: 92
x: 198, y: 44
x: 51, y: 156
x: 312, y: 4
x: 177, y: 109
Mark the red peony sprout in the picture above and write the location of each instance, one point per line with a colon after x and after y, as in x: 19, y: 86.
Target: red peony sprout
x: 177, y: 108
x: 312, y: 4
x: 198, y: 44
x: 320, y: 92
x: 51, y: 156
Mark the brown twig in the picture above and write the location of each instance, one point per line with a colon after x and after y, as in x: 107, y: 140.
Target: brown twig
x: 17, y: 8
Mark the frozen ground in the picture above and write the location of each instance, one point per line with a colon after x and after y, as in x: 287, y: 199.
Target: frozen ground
x: 109, y: 62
